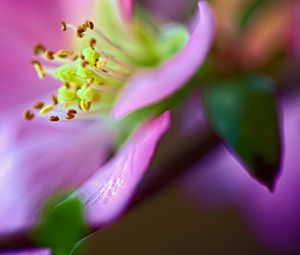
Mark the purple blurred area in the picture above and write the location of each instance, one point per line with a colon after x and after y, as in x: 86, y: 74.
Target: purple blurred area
x: 217, y: 208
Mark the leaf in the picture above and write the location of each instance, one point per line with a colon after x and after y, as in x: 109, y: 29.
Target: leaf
x: 62, y: 225
x: 251, y: 8
x: 244, y: 114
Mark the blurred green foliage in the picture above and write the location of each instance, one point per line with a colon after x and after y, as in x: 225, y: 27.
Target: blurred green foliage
x: 62, y: 225
x: 244, y: 114
x: 251, y: 8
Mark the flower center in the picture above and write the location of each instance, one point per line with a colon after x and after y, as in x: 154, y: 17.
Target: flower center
x: 90, y: 78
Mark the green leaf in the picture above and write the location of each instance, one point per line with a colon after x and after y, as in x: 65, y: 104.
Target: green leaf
x: 62, y: 225
x: 251, y: 8
x: 243, y: 112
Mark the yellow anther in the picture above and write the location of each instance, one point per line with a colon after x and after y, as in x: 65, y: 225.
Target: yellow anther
x: 46, y: 109
x: 62, y: 54
x: 100, y: 63
x: 28, y: 115
x: 38, y: 68
x: 85, y: 105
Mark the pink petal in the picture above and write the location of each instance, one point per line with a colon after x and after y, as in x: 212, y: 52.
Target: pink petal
x: 26, y: 22
x: 108, y: 192
x: 28, y: 252
x: 126, y: 8
x: 46, y: 159
x: 151, y: 86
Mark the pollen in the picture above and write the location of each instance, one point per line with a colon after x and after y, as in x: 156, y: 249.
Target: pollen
x: 46, y: 109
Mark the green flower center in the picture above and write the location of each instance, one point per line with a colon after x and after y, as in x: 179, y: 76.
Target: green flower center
x: 92, y: 76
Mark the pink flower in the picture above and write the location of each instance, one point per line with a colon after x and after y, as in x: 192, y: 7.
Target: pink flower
x: 38, y: 158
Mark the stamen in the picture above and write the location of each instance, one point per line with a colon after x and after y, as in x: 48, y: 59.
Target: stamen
x: 39, y: 105
x: 62, y: 54
x: 53, y: 118
x: 83, y: 74
x: 28, y: 115
x: 85, y: 105
x: 39, y: 49
x: 54, y: 100
x: 71, y: 114
x: 49, y: 54
x: 38, y: 68
x: 90, y: 24
x: 107, y: 56
x: 63, y: 26
x: 46, y: 109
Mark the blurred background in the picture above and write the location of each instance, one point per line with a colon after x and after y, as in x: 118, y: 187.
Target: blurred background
x: 169, y: 223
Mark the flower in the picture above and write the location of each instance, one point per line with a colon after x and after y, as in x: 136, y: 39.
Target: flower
x: 114, y: 68
x: 39, y: 159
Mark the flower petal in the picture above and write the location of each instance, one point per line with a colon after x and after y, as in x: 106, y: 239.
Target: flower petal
x: 43, y: 160
x: 28, y: 252
x: 108, y: 192
x: 26, y: 22
x: 126, y: 8
x: 151, y: 86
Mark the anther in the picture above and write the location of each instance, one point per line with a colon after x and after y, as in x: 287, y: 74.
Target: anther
x: 74, y: 56
x: 67, y: 85
x: 85, y: 105
x: 28, y: 115
x: 90, y: 81
x: 49, y: 54
x: 90, y: 24
x: 63, y: 26
x: 62, y: 54
x: 39, y: 69
x: 92, y: 43
x: 39, y: 49
x: 39, y: 105
x: 84, y: 63
x: 53, y: 118
x: 71, y: 114
x: 70, y: 117
x: 54, y: 99
x: 46, y: 109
